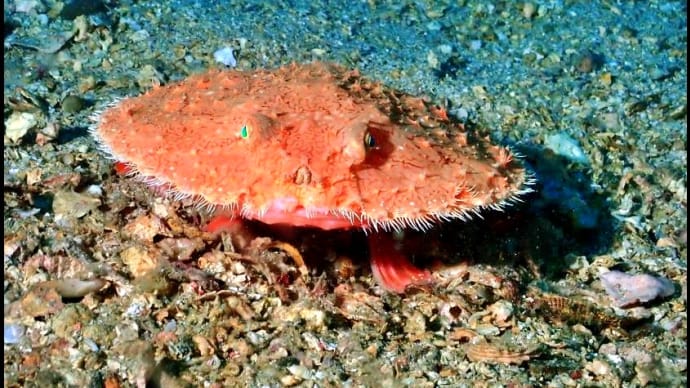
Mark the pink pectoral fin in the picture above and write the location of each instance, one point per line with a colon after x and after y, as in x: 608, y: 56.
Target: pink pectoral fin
x: 392, y: 270
x: 222, y: 223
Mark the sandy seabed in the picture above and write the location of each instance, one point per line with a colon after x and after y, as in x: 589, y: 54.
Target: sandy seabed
x: 108, y: 284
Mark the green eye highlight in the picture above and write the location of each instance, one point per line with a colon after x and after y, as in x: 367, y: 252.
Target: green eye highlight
x: 369, y: 141
x: 244, y: 132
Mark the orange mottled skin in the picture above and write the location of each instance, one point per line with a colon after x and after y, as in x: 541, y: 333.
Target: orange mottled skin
x: 312, y: 145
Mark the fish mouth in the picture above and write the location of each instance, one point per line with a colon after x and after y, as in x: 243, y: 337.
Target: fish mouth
x: 288, y: 211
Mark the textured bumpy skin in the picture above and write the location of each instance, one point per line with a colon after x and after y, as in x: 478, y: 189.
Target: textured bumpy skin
x: 309, y: 145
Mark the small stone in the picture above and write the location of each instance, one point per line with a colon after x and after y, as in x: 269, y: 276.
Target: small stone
x: 445, y: 49
x: 606, y: 79
x: 564, y: 145
x: 144, y: 228
x: 300, y: 371
x: 33, y: 176
x: 203, y: 345
x: 318, y: 52
x: 139, y: 261
x: 487, y: 330
x: 434, y: 26
x: 589, y: 61
x: 432, y: 60
x: 225, y: 56
x: 81, y: 26
x: 27, y: 6
x: 42, y: 300
x: 13, y: 333
x: 415, y: 324
x: 289, y: 380
x: 501, y: 312
x: 68, y: 321
x: 180, y: 248
x: 598, y: 367
x: 51, y: 130
x: 139, y: 36
x: 94, y: 190
x: 314, y: 319
x: 608, y: 121
x: 87, y: 83
x: 72, y: 104
x: 528, y: 10
x: 149, y: 77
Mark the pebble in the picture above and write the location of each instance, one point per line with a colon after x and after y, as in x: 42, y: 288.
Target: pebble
x: 138, y: 260
x: 225, y: 56
x: 72, y: 104
x: 93, y: 346
x: 94, y: 190
x: 501, y: 311
x: 434, y: 26
x: 432, y: 60
x: 13, y: 333
x: 170, y: 326
x: 318, y: 52
x: 27, y: 6
x: 27, y: 213
x: 598, y: 367
x: 87, y: 83
x: 299, y: 371
x: 314, y: 319
x: 50, y: 131
x: 528, y: 10
x: 589, y: 61
x: 139, y: 36
x: 564, y: 145
x: 40, y: 301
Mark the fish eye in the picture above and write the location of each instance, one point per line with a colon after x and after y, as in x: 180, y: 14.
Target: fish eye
x: 244, y: 131
x: 369, y: 141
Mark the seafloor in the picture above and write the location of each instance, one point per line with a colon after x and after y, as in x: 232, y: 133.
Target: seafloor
x: 107, y: 285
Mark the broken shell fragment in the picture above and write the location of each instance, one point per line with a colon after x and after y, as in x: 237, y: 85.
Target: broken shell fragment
x: 71, y: 205
x: 627, y: 290
x: 76, y: 288
x: 489, y: 353
x: 18, y: 124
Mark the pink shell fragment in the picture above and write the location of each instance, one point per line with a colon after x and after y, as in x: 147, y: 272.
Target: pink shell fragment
x: 627, y: 290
